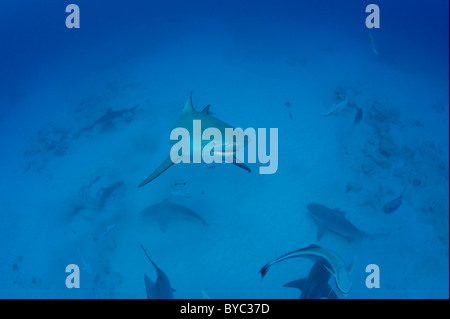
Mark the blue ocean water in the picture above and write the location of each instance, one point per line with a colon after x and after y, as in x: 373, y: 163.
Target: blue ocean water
x: 86, y: 115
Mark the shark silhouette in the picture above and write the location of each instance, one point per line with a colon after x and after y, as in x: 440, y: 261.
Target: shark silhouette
x: 166, y: 211
x: 227, y: 148
x: 315, y: 285
x: 334, y: 220
x: 332, y: 262
x: 161, y: 288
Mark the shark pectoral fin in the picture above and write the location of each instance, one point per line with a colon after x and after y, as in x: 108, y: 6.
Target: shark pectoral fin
x: 237, y: 162
x: 149, y: 287
x: 161, y: 168
x: 296, y: 283
x: 242, y: 165
x: 352, y: 265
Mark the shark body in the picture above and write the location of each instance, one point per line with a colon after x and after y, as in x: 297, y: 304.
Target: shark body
x: 110, y: 116
x: 186, y: 120
x: 332, y: 261
x: 160, y: 289
x: 333, y: 220
x: 315, y: 286
x: 165, y: 211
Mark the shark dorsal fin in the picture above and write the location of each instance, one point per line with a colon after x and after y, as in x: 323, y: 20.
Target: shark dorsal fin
x: 206, y: 109
x: 188, y: 107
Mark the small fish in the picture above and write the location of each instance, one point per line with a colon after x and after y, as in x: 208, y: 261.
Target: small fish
x: 290, y: 115
x: 85, y: 266
x: 176, y: 184
x: 394, y: 204
x: 336, y: 108
x: 358, y: 116
x: 105, y: 233
x: 211, y: 166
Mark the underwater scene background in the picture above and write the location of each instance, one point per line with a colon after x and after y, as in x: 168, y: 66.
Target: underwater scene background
x: 86, y: 115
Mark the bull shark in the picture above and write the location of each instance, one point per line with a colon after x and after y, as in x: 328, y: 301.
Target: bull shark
x: 160, y: 289
x: 165, y: 210
x: 334, y: 220
x: 110, y: 115
x: 315, y: 286
x: 332, y: 262
x: 186, y: 121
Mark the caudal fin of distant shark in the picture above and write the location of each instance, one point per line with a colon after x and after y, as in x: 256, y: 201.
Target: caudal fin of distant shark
x: 161, y: 168
x: 149, y: 287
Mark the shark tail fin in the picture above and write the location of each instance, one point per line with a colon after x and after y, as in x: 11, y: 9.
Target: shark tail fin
x: 264, y: 270
x: 149, y: 287
x: 161, y: 169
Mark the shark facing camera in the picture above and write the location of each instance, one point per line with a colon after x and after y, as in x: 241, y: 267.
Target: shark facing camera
x: 191, y: 144
x: 232, y: 155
